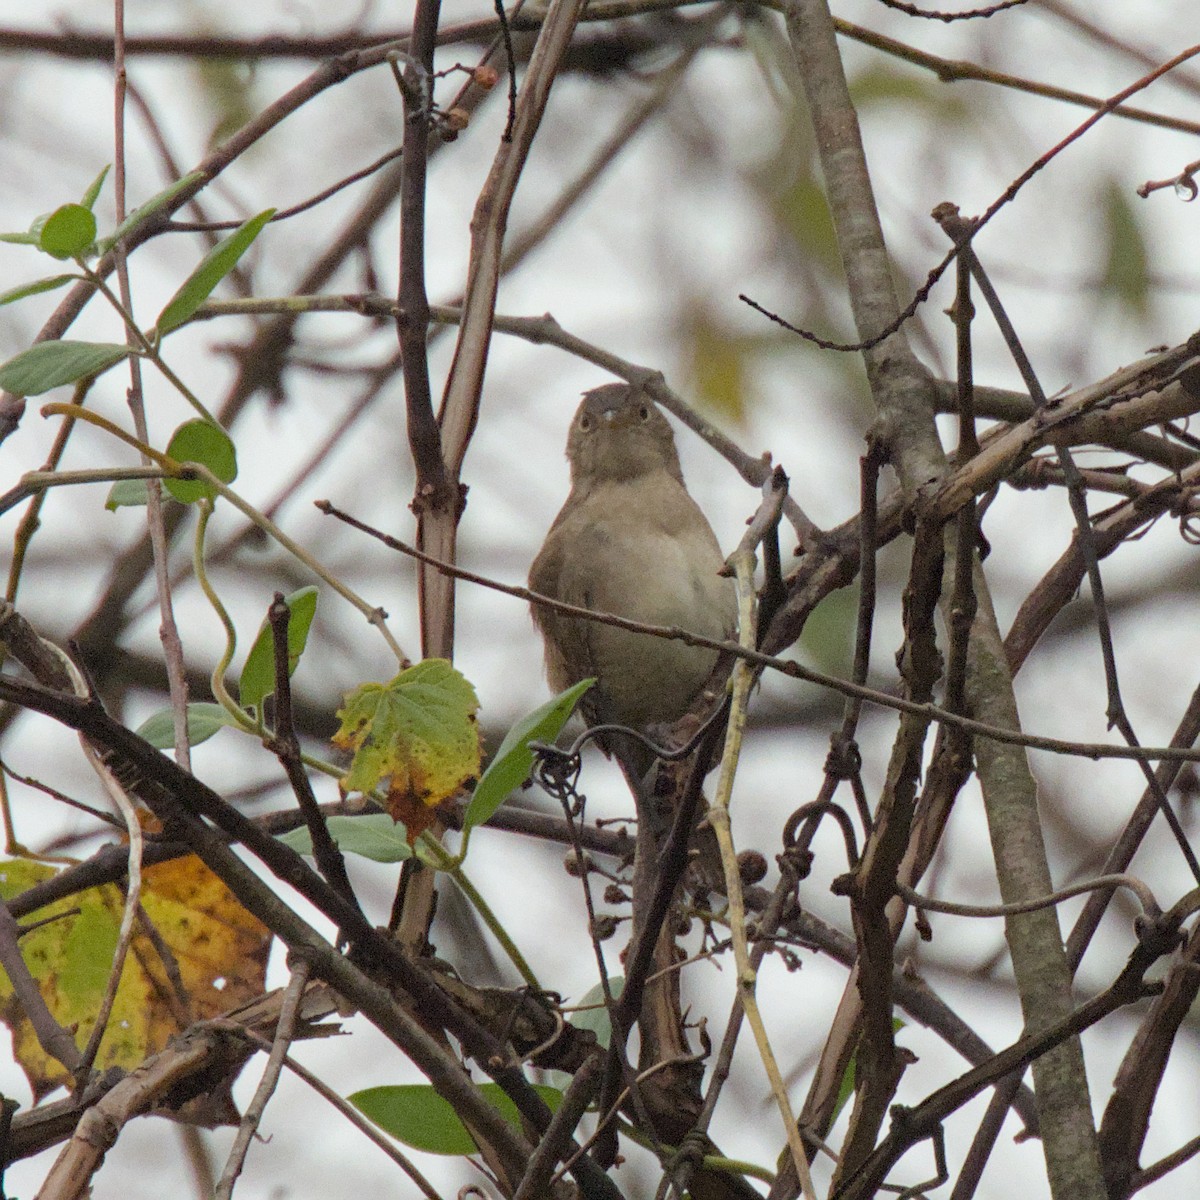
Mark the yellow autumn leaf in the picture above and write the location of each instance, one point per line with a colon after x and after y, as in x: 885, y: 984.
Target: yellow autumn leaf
x: 416, y: 736
x: 721, y: 362
x: 201, y: 955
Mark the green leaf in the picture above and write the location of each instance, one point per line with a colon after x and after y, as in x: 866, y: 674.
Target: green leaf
x: 896, y: 90
x: 38, y: 285
x: 846, y: 1087
x: 227, y: 96
x: 68, y: 231
x: 19, y: 239
x: 161, y: 200
x: 591, y: 1012
x: 828, y: 637
x: 92, y: 194
x: 216, y: 264
x: 373, y: 835
x: 203, y: 720
x: 802, y: 210
x: 193, y: 929
x: 510, y: 766
x: 201, y: 441
x: 1127, y: 254
x: 850, y: 1076
x: 127, y: 493
x: 52, y: 364
x: 258, y: 675
x: 417, y: 1116
x: 721, y: 361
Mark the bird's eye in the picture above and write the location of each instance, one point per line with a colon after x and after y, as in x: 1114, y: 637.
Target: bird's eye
x: 644, y: 412
x: 585, y: 422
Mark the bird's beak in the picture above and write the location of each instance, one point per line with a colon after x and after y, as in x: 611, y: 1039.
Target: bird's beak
x: 616, y: 416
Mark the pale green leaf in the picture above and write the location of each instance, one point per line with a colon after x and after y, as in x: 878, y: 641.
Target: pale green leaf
x: 127, y: 493
x: 202, y: 442
x: 48, y: 365
x: 373, y: 835
x: 258, y: 675
x: 68, y: 231
x: 510, y: 766
x: 219, y: 261
x: 413, y: 1113
x: 203, y: 720
x: 157, y: 201
x: 38, y: 285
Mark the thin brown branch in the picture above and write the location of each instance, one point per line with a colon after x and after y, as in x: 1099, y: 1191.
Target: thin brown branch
x: 1121, y: 853
x: 286, y: 746
x: 51, y: 1036
x: 1138, y: 1082
x: 412, y: 321
x: 252, y: 1118
x: 872, y: 885
x: 968, y: 14
x: 100, y: 1125
x: 913, y: 1125
x: 1007, y: 736
x: 954, y: 70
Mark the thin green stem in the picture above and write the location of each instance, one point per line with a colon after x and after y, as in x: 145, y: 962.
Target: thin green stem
x: 375, y: 615
x: 76, y: 413
x: 147, y: 348
x: 219, y: 689
x: 489, y: 919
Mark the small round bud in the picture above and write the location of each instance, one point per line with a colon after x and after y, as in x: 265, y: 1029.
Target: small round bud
x: 615, y: 894
x: 603, y: 927
x: 576, y: 864
x: 752, y: 866
x: 486, y: 77
x: 457, y: 119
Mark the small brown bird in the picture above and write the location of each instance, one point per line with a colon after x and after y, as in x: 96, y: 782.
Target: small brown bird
x: 631, y: 541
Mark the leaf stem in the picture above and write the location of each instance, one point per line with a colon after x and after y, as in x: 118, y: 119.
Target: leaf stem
x: 219, y: 689
x: 146, y: 348
x: 489, y: 918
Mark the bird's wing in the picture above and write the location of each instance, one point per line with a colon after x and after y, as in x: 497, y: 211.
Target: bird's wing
x: 567, y: 641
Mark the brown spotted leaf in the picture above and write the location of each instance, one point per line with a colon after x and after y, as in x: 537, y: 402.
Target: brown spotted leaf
x: 416, y: 737
x: 197, y: 954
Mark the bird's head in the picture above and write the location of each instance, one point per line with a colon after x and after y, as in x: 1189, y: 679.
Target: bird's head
x: 618, y: 434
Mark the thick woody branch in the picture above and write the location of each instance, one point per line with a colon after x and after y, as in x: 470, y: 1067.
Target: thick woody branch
x: 912, y: 1125
x: 412, y: 319
x: 1152, y: 392
x: 185, y: 805
x: 903, y: 394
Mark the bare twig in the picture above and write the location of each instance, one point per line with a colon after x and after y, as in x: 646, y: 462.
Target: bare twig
x: 286, y: 745
x: 252, y: 1117
x: 1104, y: 883
x: 1077, y: 495
x: 168, y: 630
x: 100, y: 1125
x: 789, y: 667
x: 743, y: 677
